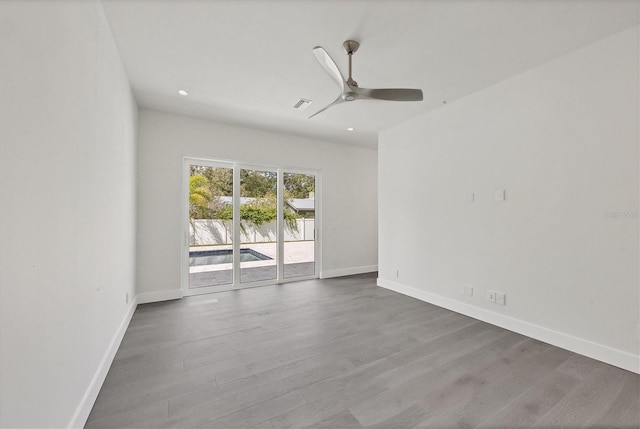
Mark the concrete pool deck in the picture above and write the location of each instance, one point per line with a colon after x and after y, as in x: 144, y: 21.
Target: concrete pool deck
x: 298, y: 261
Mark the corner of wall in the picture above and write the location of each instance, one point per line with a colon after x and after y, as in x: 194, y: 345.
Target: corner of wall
x: 91, y: 394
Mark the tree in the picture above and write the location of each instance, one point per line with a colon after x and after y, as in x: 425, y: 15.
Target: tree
x: 220, y: 180
x: 298, y: 185
x: 207, y: 184
x: 199, y: 196
x: 257, y: 183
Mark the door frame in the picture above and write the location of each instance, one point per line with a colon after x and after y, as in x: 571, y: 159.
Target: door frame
x: 317, y: 241
x: 236, y: 166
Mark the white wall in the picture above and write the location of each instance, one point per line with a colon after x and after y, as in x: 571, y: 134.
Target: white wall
x: 349, y: 192
x: 562, y: 140
x: 67, y: 231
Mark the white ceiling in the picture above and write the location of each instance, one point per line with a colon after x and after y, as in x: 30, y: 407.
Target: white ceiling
x: 248, y: 62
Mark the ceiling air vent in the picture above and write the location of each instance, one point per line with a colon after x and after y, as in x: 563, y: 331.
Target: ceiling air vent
x: 302, y: 104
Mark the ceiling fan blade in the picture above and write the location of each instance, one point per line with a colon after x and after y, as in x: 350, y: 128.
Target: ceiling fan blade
x: 330, y: 66
x: 337, y: 101
x: 390, y: 94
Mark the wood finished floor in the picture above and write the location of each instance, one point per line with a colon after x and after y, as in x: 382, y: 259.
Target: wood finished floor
x: 343, y: 353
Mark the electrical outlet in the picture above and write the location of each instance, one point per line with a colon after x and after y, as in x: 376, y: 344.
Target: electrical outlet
x: 126, y: 298
x: 468, y: 291
x: 500, y: 298
x: 491, y: 295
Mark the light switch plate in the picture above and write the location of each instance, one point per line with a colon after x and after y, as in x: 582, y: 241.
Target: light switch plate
x: 500, y: 195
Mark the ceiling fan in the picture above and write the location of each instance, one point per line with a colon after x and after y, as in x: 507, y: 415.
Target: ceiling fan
x: 349, y: 88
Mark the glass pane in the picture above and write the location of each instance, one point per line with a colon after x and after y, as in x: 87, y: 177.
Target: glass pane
x: 299, y: 224
x: 258, y: 224
x: 210, y: 226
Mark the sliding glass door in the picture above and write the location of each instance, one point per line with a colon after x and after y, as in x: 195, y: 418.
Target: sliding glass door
x: 299, y: 208
x: 248, y: 225
x: 210, y: 205
x: 258, y: 225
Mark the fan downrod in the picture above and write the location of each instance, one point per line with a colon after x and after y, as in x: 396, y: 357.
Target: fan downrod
x: 351, y: 46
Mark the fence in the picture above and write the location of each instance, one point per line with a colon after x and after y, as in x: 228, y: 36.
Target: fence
x: 215, y: 231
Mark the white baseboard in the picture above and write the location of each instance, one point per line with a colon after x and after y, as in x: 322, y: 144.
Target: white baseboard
x: 161, y: 295
x: 600, y: 352
x: 81, y: 415
x: 327, y: 274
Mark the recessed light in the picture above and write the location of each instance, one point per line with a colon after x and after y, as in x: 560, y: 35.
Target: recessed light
x: 183, y: 92
x: 350, y: 129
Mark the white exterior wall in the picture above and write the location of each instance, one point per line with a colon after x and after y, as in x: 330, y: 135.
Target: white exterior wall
x: 348, y: 184
x: 562, y: 139
x: 204, y: 232
x: 67, y: 210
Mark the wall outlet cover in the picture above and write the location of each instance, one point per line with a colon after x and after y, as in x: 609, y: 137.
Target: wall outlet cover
x: 468, y: 291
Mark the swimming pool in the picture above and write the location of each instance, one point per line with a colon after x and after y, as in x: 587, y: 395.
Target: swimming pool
x: 215, y: 257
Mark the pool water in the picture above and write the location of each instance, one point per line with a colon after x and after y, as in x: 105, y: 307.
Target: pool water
x: 215, y: 257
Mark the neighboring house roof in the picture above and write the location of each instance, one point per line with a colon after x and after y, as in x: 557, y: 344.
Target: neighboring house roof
x: 229, y: 200
x: 302, y: 204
